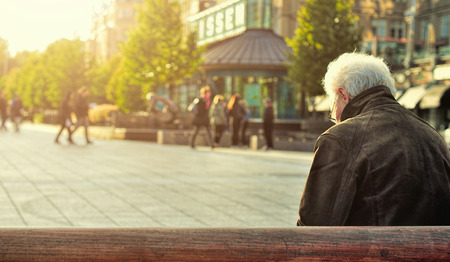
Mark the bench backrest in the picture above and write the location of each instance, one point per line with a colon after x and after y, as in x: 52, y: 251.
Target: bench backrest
x: 225, y: 244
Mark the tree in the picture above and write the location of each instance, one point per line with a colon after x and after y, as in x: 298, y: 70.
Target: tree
x: 65, y: 68
x: 326, y: 29
x: 41, y: 79
x: 98, y: 76
x: 33, y: 82
x: 4, y: 57
x: 157, y: 52
x: 16, y: 79
x: 126, y: 95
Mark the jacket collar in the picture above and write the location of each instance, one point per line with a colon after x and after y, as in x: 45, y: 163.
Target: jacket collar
x: 368, y: 99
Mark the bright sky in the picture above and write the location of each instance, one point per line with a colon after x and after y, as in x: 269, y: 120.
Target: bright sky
x: 34, y: 24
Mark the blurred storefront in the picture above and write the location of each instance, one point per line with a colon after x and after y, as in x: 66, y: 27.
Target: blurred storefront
x: 425, y: 80
x: 244, y: 55
x: 252, y: 65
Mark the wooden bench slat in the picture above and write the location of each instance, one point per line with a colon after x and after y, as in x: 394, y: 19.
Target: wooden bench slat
x: 225, y: 244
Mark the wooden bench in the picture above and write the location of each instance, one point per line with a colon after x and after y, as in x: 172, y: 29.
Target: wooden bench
x: 225, y: 244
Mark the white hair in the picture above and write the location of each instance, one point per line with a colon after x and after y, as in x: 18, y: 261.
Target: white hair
x: 356, y: 72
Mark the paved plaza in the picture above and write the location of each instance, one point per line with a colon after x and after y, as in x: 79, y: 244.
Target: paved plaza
x: 119, y: 183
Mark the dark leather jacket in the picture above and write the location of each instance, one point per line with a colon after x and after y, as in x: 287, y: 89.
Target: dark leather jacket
x: 381, y: 166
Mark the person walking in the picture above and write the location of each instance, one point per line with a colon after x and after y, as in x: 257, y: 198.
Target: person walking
x: 81, y: 111
x: 218, y: 118
x: 244, y: 122
x: 201, y: 116
x: 236, y: 113
x: 16, y: 112
x: 3, y: 110
x: 268, y: 123
x: 65, y: 120
x: 380, y: 165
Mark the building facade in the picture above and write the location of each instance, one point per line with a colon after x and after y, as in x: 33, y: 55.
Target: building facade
x: 246, y: 52
x: 111, y: 19
x: 425, y: 80
x: 235, y: 55
x: 384, y: 29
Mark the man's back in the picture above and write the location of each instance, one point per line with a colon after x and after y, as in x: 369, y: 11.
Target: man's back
x: 391, y: 168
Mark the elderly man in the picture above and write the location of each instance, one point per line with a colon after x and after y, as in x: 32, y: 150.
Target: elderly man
x: 380, y: 165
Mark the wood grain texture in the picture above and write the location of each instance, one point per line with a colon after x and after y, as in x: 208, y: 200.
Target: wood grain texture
x: 226, y: 244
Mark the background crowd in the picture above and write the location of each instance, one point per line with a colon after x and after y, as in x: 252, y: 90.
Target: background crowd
x: 222, y: 116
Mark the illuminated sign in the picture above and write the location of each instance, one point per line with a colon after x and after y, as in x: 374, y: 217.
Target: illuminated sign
x: 220, y: 21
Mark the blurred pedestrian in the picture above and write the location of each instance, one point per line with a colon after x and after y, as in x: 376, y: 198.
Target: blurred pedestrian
x: 3, y: 110
x: 268, y: 123
x: 236, y: 113
x: 16, y: 111
x: 65, y: 119
x: 244, y: 122
x: 201, y: 116
x: 218, y: 118
x: 81, y: 112
x: 206, y: 94
x: 380, y: 165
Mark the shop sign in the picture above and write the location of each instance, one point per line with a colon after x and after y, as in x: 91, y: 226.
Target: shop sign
x: 220, y: 22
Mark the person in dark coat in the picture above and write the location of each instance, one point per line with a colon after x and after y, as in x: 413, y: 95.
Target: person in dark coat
x: 201, y: 115
x: 244, y: 123
x: 65, y: 120
x: 236, y: 113
x: 268, y: 123
x: 3, y: 110
x: 380, y: 165
x: 81, y: 111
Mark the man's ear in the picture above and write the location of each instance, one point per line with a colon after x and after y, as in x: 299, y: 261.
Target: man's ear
x: 343, y: 93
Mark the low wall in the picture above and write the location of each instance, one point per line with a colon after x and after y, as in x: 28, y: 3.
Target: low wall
x: 291, y: 142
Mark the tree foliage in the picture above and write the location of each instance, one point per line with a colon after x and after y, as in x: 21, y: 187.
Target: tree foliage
x: 3, y: 56
x: 326, y: 29
x: 98, y: 77
x: 157, y: 52
x: 125, y: 94
x: 65, y: 68
x: 41, y: 79
x: 31, y: 82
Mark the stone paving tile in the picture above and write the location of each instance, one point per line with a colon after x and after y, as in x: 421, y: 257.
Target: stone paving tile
x: 118, y: 183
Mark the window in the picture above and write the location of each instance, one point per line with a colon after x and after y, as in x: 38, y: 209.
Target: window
x: 397, y: 29
x: 444, y: 26
x: 259, y: 15
x: 379, y: 27
x: 424, y: 29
